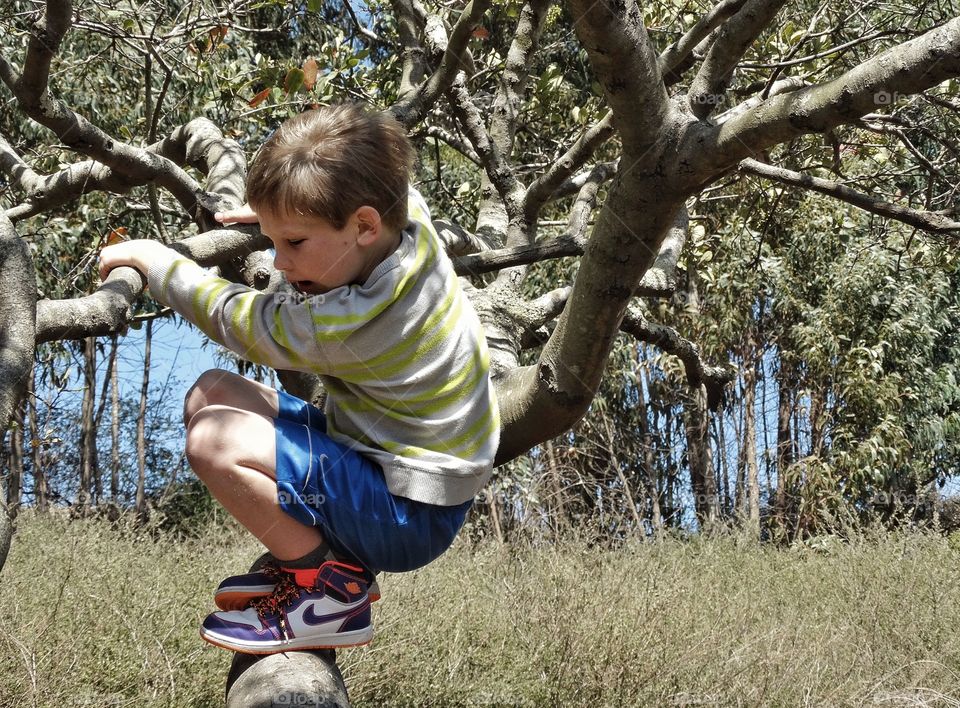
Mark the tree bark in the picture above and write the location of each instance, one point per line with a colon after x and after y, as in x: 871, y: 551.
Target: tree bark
x: 702, y: 482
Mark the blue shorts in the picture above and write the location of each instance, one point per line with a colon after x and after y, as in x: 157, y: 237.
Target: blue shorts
x: 323, y: 483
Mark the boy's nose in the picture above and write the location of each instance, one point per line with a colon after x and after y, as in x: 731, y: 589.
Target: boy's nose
x: 280, y: 262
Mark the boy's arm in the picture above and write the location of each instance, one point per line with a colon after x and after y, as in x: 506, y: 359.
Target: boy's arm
x: 260, y: 327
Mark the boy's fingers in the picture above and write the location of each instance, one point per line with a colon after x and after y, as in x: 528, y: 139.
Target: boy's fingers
x: 242, y: 215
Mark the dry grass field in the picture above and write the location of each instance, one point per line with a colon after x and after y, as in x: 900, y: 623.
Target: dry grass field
x: 100, y: 614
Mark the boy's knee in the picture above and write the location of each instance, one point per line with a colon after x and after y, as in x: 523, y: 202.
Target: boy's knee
x: 204, y: 392
x: 208, y: 436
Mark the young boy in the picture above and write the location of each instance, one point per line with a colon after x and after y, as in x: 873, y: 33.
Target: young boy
x: 382, y: 479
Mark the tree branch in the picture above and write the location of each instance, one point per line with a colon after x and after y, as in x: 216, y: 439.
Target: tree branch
x: 411, y: 18
x: 109, y: 309
x: 911, y: 67
x: 541, y: 189
x: 411, y: 110
x: 623, y: 60
x: 714, y: 378
x: 506, y: 104
x: 677, y: 53
x: 34, y: 97
x: 925, y: 220
x: 735, y: 37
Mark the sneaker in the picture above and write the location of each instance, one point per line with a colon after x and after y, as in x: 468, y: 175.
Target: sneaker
x: 238, y: 591
x: 332, y: 612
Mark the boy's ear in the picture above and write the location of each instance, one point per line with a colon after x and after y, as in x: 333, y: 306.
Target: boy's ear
x: 369, y: 225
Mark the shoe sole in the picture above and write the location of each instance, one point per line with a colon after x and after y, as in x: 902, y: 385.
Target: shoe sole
x: 356, y: 638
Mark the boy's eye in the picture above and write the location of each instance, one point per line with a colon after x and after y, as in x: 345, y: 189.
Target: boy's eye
x: 296, y: 241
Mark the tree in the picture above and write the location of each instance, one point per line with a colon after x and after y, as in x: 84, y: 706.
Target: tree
x: 526, y: 115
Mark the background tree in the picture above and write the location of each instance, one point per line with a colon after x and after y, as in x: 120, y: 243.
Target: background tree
x: 659, y: 209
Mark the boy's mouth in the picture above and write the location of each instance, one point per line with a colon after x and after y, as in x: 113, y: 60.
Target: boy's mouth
x: 307, y: 287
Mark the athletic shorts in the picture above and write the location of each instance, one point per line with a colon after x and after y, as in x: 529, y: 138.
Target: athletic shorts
x: 324, y: 483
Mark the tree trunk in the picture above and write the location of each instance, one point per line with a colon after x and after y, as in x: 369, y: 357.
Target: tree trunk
x: 141, y: 503
x: 750, y: 447
x: 40, y: 491
x: 15, y: 462
x: 697, y: 424
x: 18, y: 312
x: 88, y: 433
x: 649, y: 461
x: 785, y: 455
x: 114, y: 432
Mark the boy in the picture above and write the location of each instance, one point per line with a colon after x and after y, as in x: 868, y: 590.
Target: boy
x: 382, y: 479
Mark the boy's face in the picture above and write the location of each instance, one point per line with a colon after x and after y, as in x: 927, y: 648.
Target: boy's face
x: 314, y: 256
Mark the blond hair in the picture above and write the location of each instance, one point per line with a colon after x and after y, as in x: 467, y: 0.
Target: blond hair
x: 329, y: 161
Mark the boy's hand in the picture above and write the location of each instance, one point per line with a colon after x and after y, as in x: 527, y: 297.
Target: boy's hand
x: 241, y: 215
x: 136, y: 254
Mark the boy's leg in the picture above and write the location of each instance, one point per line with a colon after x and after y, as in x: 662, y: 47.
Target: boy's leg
x: 225, y: 388
x: 233, y: 452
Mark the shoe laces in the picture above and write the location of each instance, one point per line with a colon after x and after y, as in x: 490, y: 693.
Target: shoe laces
x: 284, y: 592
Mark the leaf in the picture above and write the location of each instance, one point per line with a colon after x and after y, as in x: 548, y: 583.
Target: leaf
x: 314, y: 5
x: 481, y: 33
x: 259, y: 98
x: 310, y: 73
x: 217, y: 35
x: 117, y: 235
x: 293, y: 81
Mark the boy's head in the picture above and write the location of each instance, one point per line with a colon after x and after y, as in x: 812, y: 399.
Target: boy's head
x: 329, y: 162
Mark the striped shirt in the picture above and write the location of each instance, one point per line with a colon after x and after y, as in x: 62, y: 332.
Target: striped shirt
x: 403, y: 358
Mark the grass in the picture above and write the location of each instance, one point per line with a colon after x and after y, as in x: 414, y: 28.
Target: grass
x: 101, y: 615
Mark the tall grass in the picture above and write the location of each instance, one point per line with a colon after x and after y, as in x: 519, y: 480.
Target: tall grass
x: 97, y: 615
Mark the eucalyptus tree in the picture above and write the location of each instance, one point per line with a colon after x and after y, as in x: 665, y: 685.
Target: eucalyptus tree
x: 619, y: 121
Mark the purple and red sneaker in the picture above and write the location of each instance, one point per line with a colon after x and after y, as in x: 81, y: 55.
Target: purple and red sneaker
x: 333, y: 610
x: 238, y: 591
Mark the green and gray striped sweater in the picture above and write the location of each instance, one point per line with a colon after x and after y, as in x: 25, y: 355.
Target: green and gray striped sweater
x: 403, y: 358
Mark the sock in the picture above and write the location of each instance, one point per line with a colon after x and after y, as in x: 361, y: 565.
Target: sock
x: 306, y: 568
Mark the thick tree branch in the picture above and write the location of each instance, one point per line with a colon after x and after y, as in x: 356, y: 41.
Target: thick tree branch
x: 411, y: 18
x: 735, y: 37
x: 47, y: 192
x: 925, y: 220
x: 506, y: 104
x: 911, y: 67
x: 624, y: 62
x: 471, y: 121
x: 109, y: 309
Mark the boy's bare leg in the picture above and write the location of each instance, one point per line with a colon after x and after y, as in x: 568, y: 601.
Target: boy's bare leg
x: 233, y: 452
x: 225, y: 388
